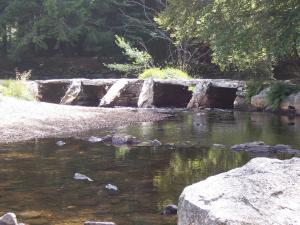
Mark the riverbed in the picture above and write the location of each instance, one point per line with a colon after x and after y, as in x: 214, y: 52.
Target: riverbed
x: 36, y: 177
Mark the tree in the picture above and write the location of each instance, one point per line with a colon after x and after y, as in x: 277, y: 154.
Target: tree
x: 241, y: 33
x: 56, y: 26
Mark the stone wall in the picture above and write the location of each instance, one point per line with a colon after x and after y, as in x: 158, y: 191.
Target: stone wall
x: 207, y: 93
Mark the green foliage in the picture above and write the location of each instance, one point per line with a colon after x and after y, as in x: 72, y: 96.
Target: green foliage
x: 254, y: 87
x: 140, y: 60
x: 278, y: 92
x: 18, y: 89
x: 166, y: 73
x: 241, y: 33
x: 55, y: 26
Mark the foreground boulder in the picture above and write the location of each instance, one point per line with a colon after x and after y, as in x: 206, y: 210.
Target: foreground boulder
x: 8, y: 219
x: 263, y: 192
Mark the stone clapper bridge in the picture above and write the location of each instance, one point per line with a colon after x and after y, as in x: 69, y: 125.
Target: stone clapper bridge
x: 195, y: 93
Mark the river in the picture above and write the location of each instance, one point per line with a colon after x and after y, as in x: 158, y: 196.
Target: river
x: 36, y: 177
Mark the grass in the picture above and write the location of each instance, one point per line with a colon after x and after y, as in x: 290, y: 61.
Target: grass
x: 17, y: 89
x: 166, y: 73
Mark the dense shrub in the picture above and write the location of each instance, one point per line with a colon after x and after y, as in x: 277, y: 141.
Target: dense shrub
x: 166, y: 73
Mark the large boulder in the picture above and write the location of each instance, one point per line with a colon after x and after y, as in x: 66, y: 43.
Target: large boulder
x: 73, y: 93
x: 114, y: 93
x: 200, y: 95
x: 291, y: 104
x: 263, y: 192
x: 260, y: 102
x: 146, y: 98
x: 241, y: 104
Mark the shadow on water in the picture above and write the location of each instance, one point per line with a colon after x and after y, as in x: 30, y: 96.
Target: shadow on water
x: 37, y: 177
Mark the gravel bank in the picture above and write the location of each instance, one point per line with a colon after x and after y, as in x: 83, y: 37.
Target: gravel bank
x: 23, y: 120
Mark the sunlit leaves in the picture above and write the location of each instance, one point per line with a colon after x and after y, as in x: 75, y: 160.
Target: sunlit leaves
x: 241, y: 33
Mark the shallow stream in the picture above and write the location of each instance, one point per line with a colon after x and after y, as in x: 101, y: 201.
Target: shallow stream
x: 36, y: 178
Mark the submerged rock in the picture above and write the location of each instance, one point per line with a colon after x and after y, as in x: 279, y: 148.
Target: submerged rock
x: 170, y: 210
x: 291, y: 104
x: 219, y: 146
x: 123, y: 140
x: 259, y: 147
x: 8, y: 219
x: 79, y: 176
x: 263, y: 192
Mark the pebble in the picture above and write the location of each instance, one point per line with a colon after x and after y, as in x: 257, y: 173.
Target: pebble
x: 60, y: 143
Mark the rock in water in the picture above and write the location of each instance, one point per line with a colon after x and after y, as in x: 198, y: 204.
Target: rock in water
x: 200, y: 95
x: 111, y: 187
x: 260, y: 102
x: 123, y: 140
x: 79, y: 176
x: 98, y: 223
x: 263, y: 192
x: 60, y: 143
x: 8, y: 219
x: 259, y: 148
x: 93, y: 139
x: 156, y: 143
x: 170, y: 210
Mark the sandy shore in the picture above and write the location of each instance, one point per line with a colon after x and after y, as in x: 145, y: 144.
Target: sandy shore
x: 23, y: 120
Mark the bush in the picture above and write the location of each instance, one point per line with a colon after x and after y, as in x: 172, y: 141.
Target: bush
x: 278, y: 92
x: 139, y: 60
x: 16, y: 88
x: 254, y: 87
x: 166, y: 73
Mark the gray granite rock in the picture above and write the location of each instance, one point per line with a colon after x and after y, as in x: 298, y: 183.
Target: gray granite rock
x: 263, y: 192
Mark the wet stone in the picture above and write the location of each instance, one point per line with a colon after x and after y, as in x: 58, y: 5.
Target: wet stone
x: 111, y: 188
x: 170, y: 210
x: 94, y: 139
x: 79, y: 176
x: 260, y: 147
x: 99, y: 223
x: 60, y: 143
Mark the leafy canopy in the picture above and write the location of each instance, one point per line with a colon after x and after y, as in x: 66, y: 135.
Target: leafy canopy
x: 241, y: 33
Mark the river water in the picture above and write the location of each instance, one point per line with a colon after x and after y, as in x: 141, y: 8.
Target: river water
x: 36, y: 178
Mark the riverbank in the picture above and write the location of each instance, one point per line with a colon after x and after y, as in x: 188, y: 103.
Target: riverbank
x: 24, y: 120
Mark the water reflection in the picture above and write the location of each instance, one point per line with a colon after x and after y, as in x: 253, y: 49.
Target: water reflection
x: 37, y: 184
